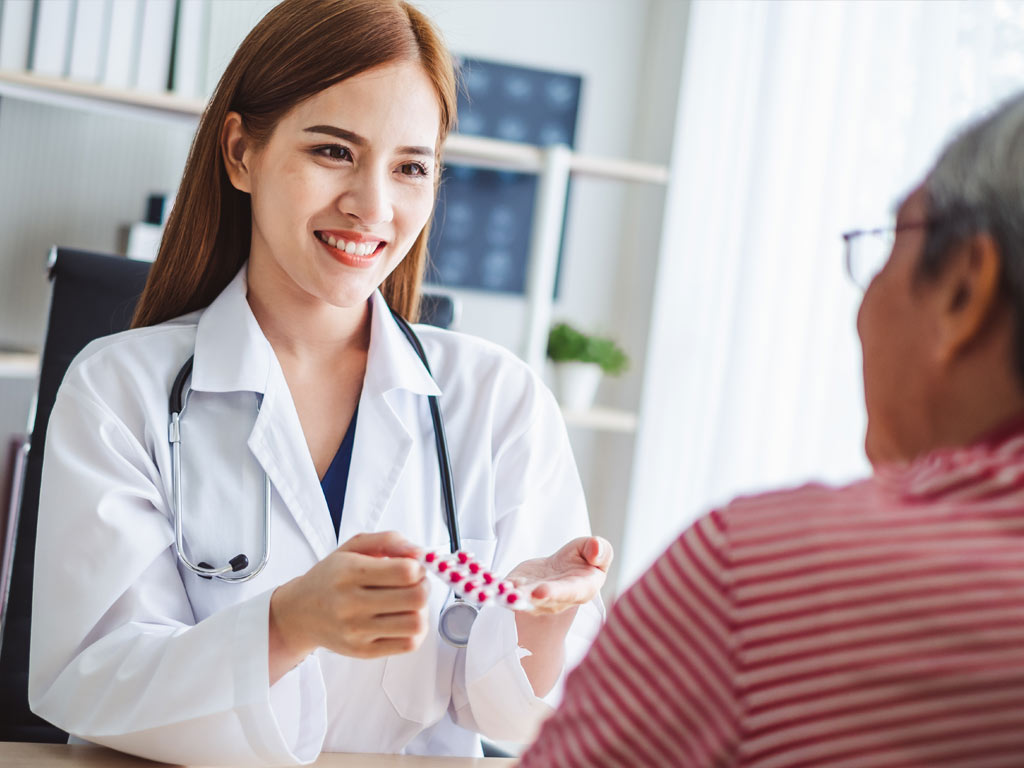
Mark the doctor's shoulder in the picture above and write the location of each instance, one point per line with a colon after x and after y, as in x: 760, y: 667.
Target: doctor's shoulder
x: 130, y: 373
x: 478, y: 374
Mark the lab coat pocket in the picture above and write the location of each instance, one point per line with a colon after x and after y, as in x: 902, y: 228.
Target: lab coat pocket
x: 418, y: 684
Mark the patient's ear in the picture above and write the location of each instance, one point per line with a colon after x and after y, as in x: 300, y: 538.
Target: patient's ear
x: 969, y: 294
x: 236, y: 149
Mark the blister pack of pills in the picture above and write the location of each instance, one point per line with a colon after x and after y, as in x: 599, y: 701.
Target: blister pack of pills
x: 474, y: 583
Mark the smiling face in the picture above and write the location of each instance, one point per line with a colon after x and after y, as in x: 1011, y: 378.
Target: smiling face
x: 344, y: 185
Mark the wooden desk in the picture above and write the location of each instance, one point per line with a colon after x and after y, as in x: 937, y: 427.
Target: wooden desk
x: 20, y: 755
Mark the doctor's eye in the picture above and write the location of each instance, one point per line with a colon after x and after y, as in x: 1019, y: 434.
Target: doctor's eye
x: 414, y: 169
x: 333, y: 152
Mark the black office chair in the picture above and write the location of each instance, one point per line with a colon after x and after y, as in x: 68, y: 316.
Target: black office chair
x: 93, y: 295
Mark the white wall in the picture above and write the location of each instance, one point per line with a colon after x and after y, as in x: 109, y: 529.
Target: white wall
x: 70, y: 178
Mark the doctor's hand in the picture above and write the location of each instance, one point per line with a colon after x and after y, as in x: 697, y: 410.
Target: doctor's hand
x: 570, y: 577
x: 366, y: 599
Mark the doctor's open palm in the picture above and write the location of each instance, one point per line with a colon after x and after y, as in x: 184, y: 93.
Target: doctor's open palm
x: 366, y: 599
x: 570, y: 577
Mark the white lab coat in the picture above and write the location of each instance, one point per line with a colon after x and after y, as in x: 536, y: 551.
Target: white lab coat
x: 131, y: 650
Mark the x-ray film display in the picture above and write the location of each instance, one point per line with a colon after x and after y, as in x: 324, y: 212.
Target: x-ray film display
x: 481, y: 230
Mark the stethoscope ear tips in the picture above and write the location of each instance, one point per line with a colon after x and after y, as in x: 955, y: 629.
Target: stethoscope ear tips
x: 237, y: 563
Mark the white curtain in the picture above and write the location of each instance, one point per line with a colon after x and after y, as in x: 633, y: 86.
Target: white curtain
x: 797, y: 121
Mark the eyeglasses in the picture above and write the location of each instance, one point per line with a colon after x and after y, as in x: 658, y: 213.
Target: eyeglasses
x: 868, y: 250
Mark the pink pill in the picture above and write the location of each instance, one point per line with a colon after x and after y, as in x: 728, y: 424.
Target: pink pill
x: 463, y: 557
x: 511, y: 597
x: 442, y: 566
x: 431, y: 557
x: 481, y: 596
x: 456, y: 577
x: 474, y: 567
x: 488, y: 577
x: 502, y: 588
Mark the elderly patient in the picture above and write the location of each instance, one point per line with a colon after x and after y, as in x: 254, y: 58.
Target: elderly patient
x: 880, y: 624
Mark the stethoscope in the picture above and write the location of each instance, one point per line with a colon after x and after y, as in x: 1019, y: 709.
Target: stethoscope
x: 457, y: 616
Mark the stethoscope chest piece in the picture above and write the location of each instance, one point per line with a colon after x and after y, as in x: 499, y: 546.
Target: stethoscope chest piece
x: 456, y: 622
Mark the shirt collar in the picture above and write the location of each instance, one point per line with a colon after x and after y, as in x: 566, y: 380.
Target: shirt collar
x: 392, y: 362
x: 1010, y: 428
x: 992, y: 465
x: 233, y: 355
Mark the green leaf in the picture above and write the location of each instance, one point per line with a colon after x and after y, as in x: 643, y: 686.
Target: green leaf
x: 565, y: 343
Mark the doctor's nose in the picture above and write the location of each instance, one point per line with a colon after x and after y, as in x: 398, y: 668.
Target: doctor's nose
x: 368, y: 199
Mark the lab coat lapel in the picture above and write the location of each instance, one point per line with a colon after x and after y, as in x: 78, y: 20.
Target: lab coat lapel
x: 389, y: 418
x: 280, y: 446
x: 233, y: 355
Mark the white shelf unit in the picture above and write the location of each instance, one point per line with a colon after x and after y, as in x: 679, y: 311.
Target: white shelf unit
x: 605, y: 419
x: 18, y: 365
x: 554, y: 166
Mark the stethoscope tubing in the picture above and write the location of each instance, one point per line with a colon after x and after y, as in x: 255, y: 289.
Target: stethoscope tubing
x: 178, y: 402
x: 444, y: 460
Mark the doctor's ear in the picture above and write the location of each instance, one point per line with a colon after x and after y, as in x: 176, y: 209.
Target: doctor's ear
x: 237, y: 151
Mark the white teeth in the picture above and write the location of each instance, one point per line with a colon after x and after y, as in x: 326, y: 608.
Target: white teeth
x: 356, y: 249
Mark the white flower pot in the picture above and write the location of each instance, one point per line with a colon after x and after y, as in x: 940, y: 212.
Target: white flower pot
x: 577, y: 384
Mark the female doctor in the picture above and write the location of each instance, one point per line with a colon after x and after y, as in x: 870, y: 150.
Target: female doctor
x: 305, y: 423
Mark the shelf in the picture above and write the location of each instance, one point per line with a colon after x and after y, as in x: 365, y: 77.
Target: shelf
x: 602, y: 419
x: 19, y: 365
x: 467, y: 150
x: 68, y: 93
x: 529, y: 158
x: 26, y: 365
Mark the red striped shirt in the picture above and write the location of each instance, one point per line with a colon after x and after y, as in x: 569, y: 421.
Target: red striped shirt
x: 881, y: 624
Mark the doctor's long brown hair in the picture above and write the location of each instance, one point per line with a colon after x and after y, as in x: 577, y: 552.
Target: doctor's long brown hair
x: 299, y: 48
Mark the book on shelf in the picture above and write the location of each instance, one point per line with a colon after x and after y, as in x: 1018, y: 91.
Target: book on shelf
x: 122, y: 55
x: 15, y: 33
x: 156, y: 36
x: 190, y: 49
x: 52, y: 40
x: 89, y: 40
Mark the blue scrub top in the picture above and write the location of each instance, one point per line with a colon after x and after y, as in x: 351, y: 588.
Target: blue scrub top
x: 336, y: 478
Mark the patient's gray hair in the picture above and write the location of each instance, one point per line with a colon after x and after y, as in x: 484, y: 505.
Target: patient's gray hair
x: 977, y: 185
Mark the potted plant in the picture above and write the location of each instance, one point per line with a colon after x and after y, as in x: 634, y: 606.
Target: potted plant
x: 580, y: 360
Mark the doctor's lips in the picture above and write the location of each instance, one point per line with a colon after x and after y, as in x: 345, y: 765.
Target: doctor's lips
x: 355, y: 247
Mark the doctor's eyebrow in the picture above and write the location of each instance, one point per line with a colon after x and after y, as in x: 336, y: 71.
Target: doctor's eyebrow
x: 359, y: 141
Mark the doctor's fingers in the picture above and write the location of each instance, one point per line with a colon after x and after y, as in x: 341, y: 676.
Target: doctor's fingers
x: 380, y: 635
x: 381, y: 600
x: 382, y: 544
x: 392, y: 646
x: 368, y: 571
x: 406, y: 624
